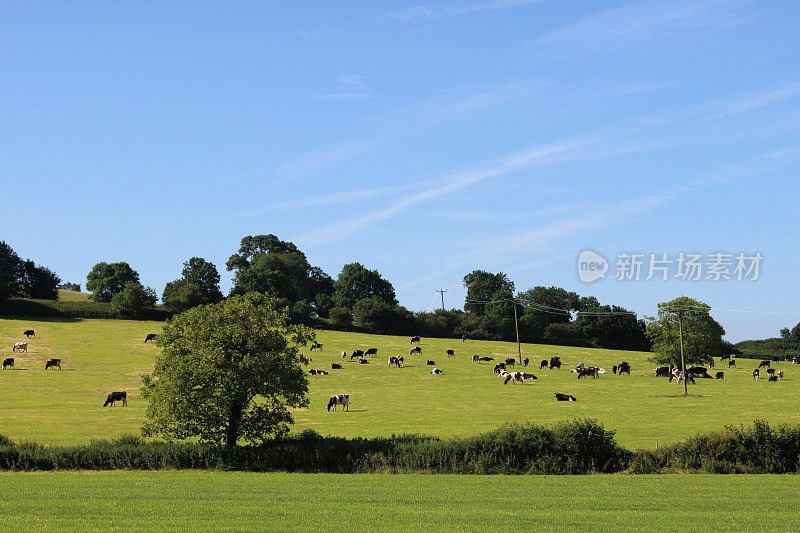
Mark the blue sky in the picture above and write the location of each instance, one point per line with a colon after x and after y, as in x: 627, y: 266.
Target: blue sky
x: 422, y: 139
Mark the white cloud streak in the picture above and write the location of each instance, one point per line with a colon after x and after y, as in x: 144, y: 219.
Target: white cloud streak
x: 441, y: 10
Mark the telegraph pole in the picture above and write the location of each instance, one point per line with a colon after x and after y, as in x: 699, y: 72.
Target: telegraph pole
x: 516, y: 327
x: 442, y: 291
x: 683, y: 361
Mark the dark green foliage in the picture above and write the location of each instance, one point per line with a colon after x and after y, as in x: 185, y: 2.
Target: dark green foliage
x: 619, y: 331
x: 39, y: 282
x: 180, y: 295
x: 203, y: 274
x: 377, y: 316
x: 75, y: 287
x: 481, y: 287
x: 105, y: 280
x: 133, y: 300
x: 71, y: 309
x: 356, y: 283
x: 758, y: 449
x: 773, y: 349
x: 341, y: 317
x: 702, y: 335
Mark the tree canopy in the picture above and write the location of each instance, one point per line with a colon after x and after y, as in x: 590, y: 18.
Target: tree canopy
x: 355, y: 282
x: 702, y: 335
x: 133, y: 299
x: 107, y: 279
x: 227, y: 371
x: 25, y: 278
x: 481, y: 287
x: 198, y: 284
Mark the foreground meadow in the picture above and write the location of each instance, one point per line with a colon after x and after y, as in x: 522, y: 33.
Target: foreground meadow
x: 99, y: 356
x: 192, y: 500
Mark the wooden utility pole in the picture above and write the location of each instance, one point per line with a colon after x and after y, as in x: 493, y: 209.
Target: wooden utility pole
x: 683, y: 361
x: 516, y: 326
x: 442, y: 291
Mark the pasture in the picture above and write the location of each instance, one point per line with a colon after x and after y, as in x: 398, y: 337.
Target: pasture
x: 100, y: 356
x: 199, y: 500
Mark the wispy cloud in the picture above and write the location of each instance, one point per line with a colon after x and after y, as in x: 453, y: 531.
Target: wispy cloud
x: 639, y: 21
x: 351, y: 87
x: 313, y: 161
x: 444, y: 10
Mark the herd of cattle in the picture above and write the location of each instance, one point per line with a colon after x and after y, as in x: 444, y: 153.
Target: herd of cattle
x: 500, y: 368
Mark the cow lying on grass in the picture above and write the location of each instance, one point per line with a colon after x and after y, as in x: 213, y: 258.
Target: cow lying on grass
x: 564, y: 397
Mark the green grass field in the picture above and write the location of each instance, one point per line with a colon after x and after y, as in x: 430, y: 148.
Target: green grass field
x: 99, y: 356
x: 72, y: 296
x: 202, y: 501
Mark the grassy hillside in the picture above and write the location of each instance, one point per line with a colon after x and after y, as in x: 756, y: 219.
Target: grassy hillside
x: 190, y: 500
x: 106, y: 355
x: 72, y: 296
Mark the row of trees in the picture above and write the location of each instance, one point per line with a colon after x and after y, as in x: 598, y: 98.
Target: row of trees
x: 23, y: 278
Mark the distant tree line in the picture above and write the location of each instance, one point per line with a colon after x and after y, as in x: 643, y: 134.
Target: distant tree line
x: 25, y: 279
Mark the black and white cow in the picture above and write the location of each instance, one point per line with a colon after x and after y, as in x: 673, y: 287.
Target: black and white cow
x: 394, y: 361
x: 20, y: 347
x: 624, y: 368
x: 486, y: 358
x: 450, y: 353
x: 430, y: 363
x: 336, y: 366
x: 755, y: 374
x: 316, y: 346
x: 371, y: 351
x: 510, y: 361
x: 525, y: 361
x: 150, y: 337
x: 357, y: 354
x: 363, y: 361
x: 780, y: 374
x: 115, y: 397
x: 699, y: 372
x: 53, y: 363
x: 415, y: 349
x: 564, y: 397
x: 525, y: 375
x: 763, y: 363
x: 720, y: 375
x: 29, y: 333
x: 773, y: 378
x: 513, y: 377
x: 587, y: 371
x: 555, y: 362
x: 476, y: 358
x: 498, y: 367
x: 543, y: 364
x: 662, y: 372
x: 305, y: 360
x: 415, y: 340
x: 770, y: 371
x: 344, y: 355
x: 731, y: 363
x: 8, y: 361
x: 339, y: 399
x: 437, y: 372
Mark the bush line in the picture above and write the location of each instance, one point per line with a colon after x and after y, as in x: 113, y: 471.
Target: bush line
x: 573, y: 447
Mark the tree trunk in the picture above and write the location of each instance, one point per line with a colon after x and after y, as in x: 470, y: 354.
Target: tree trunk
x: 234, y: 421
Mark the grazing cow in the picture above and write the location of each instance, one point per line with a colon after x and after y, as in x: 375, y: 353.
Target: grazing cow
x: 437, y: 372
x: 525, y: 375
x: 731, y: 363
x: 662, y: 372
x: 525, y: 361
x: 394, y: 361
x: 336, y: 366
x: 770, y: 371
x: 498, y: 367
x: 372, y: 351
x: 339, y: 399
x: 711, y: 362
x: 485, y: 358
x: 624, y: 368
x: 475, y: 358
x: 357, y: 354
x: 555, y: 362
x: 322, y: 372
x: 8, y: 361
x: 149, y: 337
x: 305, y: 360
x: 614, y: 369
x: 115, y: 397
x: 316, y: 346
x: 796, y: 360
x: 699, y: 371
x: 344, y: 355
x: 543, y: 364
x: 415, y: 340
x: 726, y: 356
x: 513, y: 377
x: 20, y: 347
x: 755, y: 374
x: 363, y: 361
x: 450, y: 353
x: 780, y: 374
x: 772, y: 378
x: 564, y: 397
x: 312, y: 372
x: 415, y: 349
x: 29, y: 333
x: 463, y: 338
x: 511, y: 361
x: 53, y: 363
x: 689, y: 377
x: 719, y: 375
x: 587, y: 371
x: 763, y: 363
x: 430, y: 363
